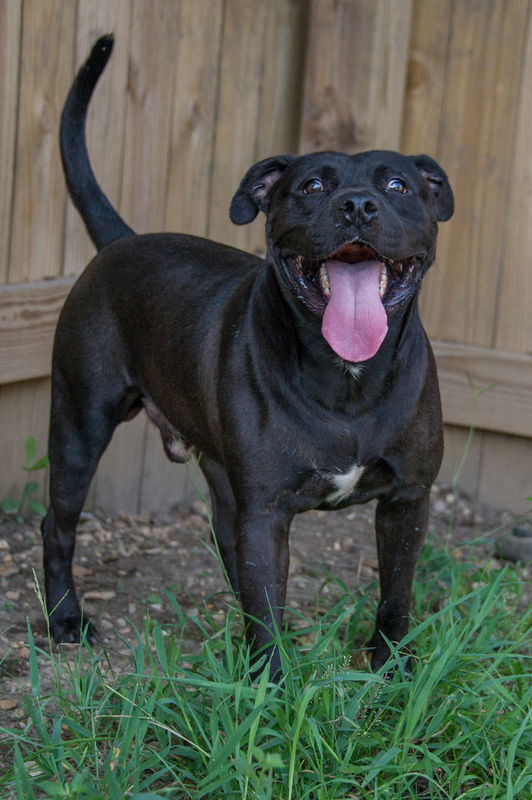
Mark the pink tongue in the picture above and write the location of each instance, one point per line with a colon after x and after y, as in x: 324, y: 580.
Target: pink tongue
x: 354, y: 322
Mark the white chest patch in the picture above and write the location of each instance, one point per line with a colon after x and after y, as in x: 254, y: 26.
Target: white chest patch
x: 344, y: 482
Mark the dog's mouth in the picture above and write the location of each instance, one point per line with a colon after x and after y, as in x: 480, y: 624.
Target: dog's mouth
x: 354, y: 289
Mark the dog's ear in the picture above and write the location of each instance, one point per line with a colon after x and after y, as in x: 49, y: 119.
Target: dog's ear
x: 251, y: 196
x: 438, y: 184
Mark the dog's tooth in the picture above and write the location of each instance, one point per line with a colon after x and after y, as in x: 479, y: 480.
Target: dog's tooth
x: 324, y: 282
x: 383, y: 280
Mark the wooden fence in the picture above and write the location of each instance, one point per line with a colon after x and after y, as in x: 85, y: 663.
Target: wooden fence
x: 196, y: 91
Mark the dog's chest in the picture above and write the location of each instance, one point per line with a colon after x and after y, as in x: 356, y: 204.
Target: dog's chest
x: 344, y: 483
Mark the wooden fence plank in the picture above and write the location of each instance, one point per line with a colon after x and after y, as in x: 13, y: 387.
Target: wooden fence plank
x: 238, y: 116
x: 514, y: 317
x: 183, y: 80
x: 195, y: 61
x: 107, y: 115
x: 28, y: 316
x: 425, y: 83
x: 260, y: 87
x: 39, y: 198
x: 355, y: 74
x: 282, y: 78
x: 10, y: 20
x: 476, y: 144
x: 280, y: 99
x: 423, y: 112
x: 505, y: 381
x: 148, y: 130
x: 144, y: 189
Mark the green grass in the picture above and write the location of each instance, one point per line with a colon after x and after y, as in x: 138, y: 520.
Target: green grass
x: 191, y: 725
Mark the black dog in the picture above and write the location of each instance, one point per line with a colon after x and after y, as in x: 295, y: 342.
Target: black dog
x: 302, y: 381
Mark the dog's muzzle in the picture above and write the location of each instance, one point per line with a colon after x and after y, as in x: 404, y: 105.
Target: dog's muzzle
x: 354, y: 289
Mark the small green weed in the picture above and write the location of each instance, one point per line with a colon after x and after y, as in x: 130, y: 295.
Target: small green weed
x: 17, y: 506
x: 191, y: 726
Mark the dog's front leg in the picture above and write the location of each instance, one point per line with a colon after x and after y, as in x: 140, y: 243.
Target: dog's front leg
x: 401, y: 527
x: 262, y: 563
x: 223, y: 516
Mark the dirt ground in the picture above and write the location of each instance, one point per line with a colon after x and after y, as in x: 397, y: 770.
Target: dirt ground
x: 123, y: 562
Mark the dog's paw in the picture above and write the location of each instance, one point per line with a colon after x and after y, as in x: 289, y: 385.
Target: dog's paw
x: 378, y: 660
x: 377, y: 651
x: 379, y: 654
x: 73, y: 629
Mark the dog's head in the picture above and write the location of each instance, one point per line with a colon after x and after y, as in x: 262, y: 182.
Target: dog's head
x: 351, y: 235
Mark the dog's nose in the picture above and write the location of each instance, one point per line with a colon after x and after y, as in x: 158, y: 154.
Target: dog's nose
x: 358, y: 207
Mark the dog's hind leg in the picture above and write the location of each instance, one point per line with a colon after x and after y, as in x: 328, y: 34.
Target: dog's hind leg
x: 79, y: 433
x: 223, y: 516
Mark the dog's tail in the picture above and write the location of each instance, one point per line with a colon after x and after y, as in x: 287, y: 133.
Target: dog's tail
x: 103, y: 223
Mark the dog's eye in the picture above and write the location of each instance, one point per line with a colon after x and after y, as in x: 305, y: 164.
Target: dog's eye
x: 397, y: 185
x: 313, y: 186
